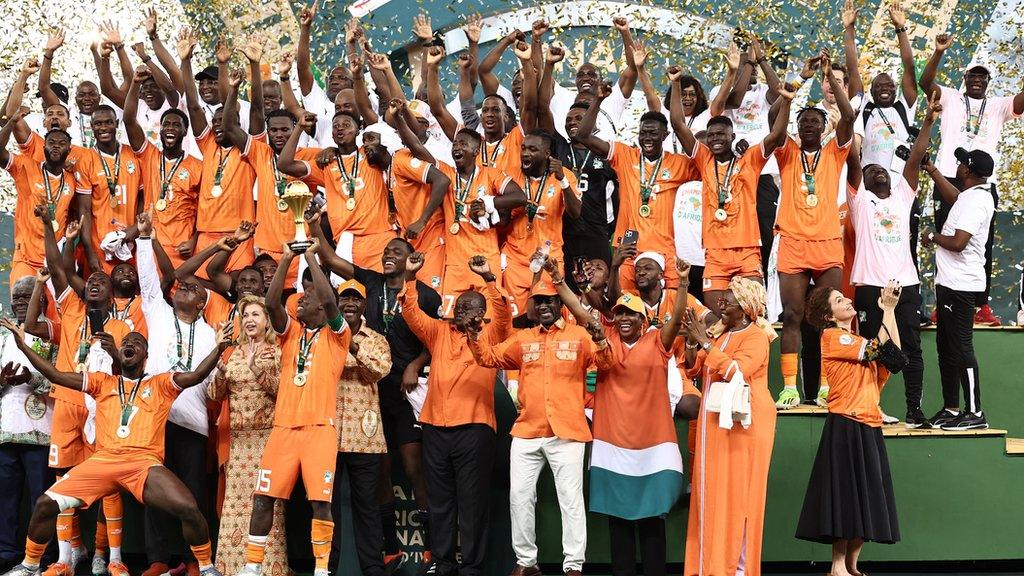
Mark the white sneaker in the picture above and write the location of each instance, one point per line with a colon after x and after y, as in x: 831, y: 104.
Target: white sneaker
x: 99, y: 565
x: 250, y: 570
x: 79, y: 554
x: 22, y: 570
x: 886, y: 419
x: 321, y: 572
x: 1020, y: 317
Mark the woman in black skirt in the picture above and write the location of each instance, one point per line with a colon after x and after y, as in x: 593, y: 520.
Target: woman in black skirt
x: 849, y: 497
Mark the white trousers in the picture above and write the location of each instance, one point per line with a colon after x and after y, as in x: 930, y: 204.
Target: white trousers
x: 526, y: 462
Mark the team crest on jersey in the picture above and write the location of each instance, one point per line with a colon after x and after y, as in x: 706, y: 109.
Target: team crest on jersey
x: 846, y: 339
x: 551, y: 191
x: 598, y: 164
x: 328, y: 477
x: 435, y: 282
x: 665, y: 173
x: 415, y: 163
x: 481, y: 190
x: 183, y: 174
x: 131, y: 167
x: 147, y: 392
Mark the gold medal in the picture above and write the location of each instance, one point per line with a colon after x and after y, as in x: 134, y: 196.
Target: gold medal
x: 54, y: 225
x: 350, y: 204
x: 811, y: 200
x: 216, y: 191
x: 300, y: 379
x: 720, y: 215
x: 645, y: 211
x: 80, y: 367
x: 161, y: 204
x: 123, y: 432
x: 282, y: 206
x: 454, y: 228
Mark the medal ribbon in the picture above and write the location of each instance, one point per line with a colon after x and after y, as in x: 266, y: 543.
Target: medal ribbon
x: 305, y: 344
x: 462, y: 193
x: 390, y: 309
x: 126, y: 408
x: 183, y: 363
x: 350, y: 179
x: 486, y: 158
x: 973, y: 126
x: 280, y: 183
x: 723, y: 191
x: 165, y: 179
x: 222, y: 162
x: 111, y: 183
x: 533, y: 199
x: 647, y: 188
x: 809, y: 170
x: 51, y: 201
x: 578, y: 167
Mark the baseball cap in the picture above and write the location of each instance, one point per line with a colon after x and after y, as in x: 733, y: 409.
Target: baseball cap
x: 417, y: 108
x: 543, y: 287
x: 630, y: 302
x: 352, y: 285
x: 977, y: 161
x: 208, y: 73
x: 980, y: 66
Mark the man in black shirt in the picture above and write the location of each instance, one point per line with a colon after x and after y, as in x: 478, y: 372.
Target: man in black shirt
x: 408, y: 357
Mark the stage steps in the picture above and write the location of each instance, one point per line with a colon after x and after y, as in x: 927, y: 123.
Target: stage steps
x: 1015, y: 446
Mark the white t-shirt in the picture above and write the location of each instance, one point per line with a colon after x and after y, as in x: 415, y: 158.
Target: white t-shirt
x: 697, y: 123
x: 686, y: 218
x: 883, y: 133
x: 607, y: 127
x: 955, y: 132
x: 972, y: 212
x: 883, y: 236
x: 750, y: 120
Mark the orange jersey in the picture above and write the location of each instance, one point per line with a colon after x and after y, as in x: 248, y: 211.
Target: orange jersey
x: 351, y: 177
x: 505, y: 154
x: 855, y: 384
x: 129, y: 311
x: 151, y: 404
x: 234, y: 202
x: 314, y: 402
x: 661, y: 312
x: 31, y: 183
x: 657, y: 229
x: 547, y: 195
x: 116, y: 181
x: 74, y: 331
x: 739, y: 229
x: 409, y: 186
x: 275, y: 226
x: 177, y: 222
x: 795, y: 217
x: 469, y: 241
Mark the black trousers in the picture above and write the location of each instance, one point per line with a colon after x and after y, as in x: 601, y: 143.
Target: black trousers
x: 907, y: 321
x: 954, y: 341
x: 942, y: 212
x: 622, y: 537
x: 810, y: 360
x: 363, y: 476
x: 457, y: 462
x: 767, y: 205
x: 185, y: 456
x: 22, y: 466
x: 696, y: 287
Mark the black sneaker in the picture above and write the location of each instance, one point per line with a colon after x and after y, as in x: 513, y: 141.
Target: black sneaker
x: 943, y: 417
x: 915, y: 420
x: 967, y: 421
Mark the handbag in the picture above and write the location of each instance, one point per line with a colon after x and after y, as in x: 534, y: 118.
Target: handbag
x: 890, y: 355
x: 730, y: 400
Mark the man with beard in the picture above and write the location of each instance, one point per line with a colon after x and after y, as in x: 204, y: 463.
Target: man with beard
x: 225, y: 193
x: 130, y: 422
x: 648, y: 178
x: 973, y: 121
x: 458, y: 417
x: 181, y: 349
x: 87, y: 95
x: 383, y: 314
x: 170, y: 177
x: 649, y: 281
x: 810, y: 234
x: 356, y: 190
x: 553, y: 360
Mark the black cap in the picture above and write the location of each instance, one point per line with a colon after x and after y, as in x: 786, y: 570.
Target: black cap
x: 977, y: 161
x: 208, y: 73
x: 60, y: 90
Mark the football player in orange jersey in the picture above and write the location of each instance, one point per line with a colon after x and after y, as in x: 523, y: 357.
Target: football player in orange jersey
x: 130, y: 420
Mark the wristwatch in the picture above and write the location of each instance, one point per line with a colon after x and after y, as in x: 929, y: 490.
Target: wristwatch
x: 706, y: 346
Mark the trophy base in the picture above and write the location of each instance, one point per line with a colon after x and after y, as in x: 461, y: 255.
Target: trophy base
x: 299, y: 246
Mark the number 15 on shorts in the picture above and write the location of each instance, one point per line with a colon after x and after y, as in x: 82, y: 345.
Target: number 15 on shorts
x: 263, y: 482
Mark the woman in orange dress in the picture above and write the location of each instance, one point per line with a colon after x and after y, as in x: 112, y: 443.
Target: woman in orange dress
x: 849, y: 497
x: 730, y: 468
x: 248, y: 381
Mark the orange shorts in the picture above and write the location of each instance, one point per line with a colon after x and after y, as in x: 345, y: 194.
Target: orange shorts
x: 458, y: 278
x: 104, y: 474
x: 20, y: 269
x: 367, y: 249
x: 517, y: 280
x: 68, y: 446
x: 243, y: 255
x: 722, y: 264
x: 311, y: 451
x: 432, y: 272
x: 816, y: 256
x: 627, y: 277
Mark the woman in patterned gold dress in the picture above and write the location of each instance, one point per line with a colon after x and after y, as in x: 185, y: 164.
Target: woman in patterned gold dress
x: 248, y: 382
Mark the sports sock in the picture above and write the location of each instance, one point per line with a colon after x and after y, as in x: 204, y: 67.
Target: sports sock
x: 113, y: 509
x: 321, y: 534
x: 65, y: 520
x: 33, y: 553
x: 789, y: 363
x: 203, y: 554
x: 255, y: 548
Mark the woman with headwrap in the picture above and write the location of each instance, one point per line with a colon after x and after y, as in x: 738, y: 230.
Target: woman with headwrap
x: 636, y: 470
x: 730, y: 469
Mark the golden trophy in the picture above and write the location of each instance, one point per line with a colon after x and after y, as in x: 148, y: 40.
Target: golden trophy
x: 297, y: 197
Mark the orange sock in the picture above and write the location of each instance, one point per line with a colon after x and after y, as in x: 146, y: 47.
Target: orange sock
x: 65, y: 522
x: 322, y: 533
x: 255, y: 547
x: 113, y: 509
x: 102, y: 543
x: 203, y: 554
x: 76, y: 533
x: 789, y: 364
x: 33, y: 553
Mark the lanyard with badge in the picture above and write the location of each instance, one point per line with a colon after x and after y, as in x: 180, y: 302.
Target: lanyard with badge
x: 165, y: 180
x: 112, y: 182
x: 973, y: 125
x: 280, y: 185
x: 490, y: 159
x: 533, y: 200
x: 122, y: 314
x: 389, y: 309
x: 578, y: 166
x: 127, y: 408
x: 724, y: 188
x: 349, y: 179
x: 305, y: 343
x: 51, y: 200
x: 461, y: 195
x: 86, y: 134
x: 807, y: 186
x: 184, y: 363
x: 647, y: 187
x: 222, y: 162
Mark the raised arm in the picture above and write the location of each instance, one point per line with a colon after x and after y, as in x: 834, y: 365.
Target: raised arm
x: 931, y: 68
x: 397, y: 117
x: 197, y: 118
x: 718, y: 104
x: 359, y: 87
x: 651, y: 95
x: 275, y: 308
x: 284, y: 68
x: 42, y: 365
x: 306, y: 17
x: 844, y: 128
x: 20, y: 128
x: 912, y: 169
x: 855, y: 85
x: 473, y: 28
x: 113, y: 36
x: 488, y: 81
x: 286, y: 162
x: 5, y: 137
x: 777, y: 137
x: 329, y: 258
x: 33, y: 325
x: 108, y: 87
x: 58, y: 274
x: 546, y: 89
x: 945, y: 188
x: 163, y: 55
x: 229, y: 124
x: 887, y: 301
x: 585, y: 132
x: 679, y: 126
x: 189, y: 379
x: 621, y: 253
x: 573, y: 204
x: 55, y: 41
x: 324, y: 291
x: 439, y: 184
x: 253, y: 51
x: 435, y: 98
x: 159, y: 77
x: 528, y: 101
x: 628, y: 77
x: 671, y: 328
x: 187, y: 271
x: 771, y: 78
x: 741, y: 82
x: 136, y: 135
x: 899, y: 22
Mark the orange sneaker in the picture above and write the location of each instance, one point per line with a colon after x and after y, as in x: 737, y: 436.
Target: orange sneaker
x: 118, y: 569
x: 59, y: 569
x: 985, y: 317
x: 156, y: 569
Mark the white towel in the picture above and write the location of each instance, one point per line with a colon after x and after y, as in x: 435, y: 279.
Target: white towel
x: 113, y: 246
